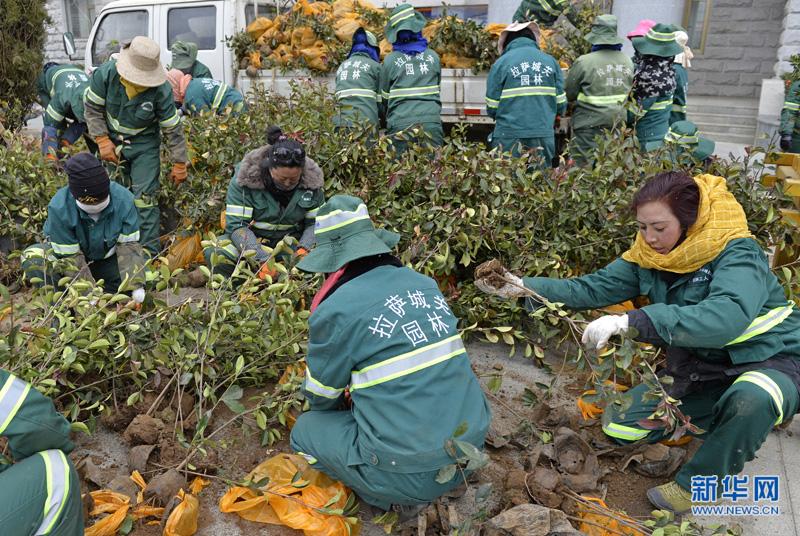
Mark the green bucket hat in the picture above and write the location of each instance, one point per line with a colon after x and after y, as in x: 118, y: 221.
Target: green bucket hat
x: 660, y: 40
x: 604, y: 31
x: 184, y: 55
x: 371, y: 39
x: 685, y: 135
x: 344, y: 233
x: 403, y: 17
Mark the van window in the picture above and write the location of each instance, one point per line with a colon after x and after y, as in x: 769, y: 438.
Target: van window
x: 115, y: 30
x: 263, y: 11
x: 196, y: 25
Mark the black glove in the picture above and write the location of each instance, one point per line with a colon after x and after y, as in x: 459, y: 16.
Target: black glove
x: 786, y: 142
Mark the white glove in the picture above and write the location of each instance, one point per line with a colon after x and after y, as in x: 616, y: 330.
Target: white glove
x: 599, y: 331
x: 514, y: 288
x: 138, y: 295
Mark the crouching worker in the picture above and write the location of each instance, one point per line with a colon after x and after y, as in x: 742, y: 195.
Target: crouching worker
x: 732, y: 341
x: 197, y: 95
x: 275, y: 192
x: 41, y: 492
x: 384, y: 334
x: 93, y: 221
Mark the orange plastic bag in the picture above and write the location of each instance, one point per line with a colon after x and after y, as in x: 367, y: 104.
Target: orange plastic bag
x: 303, y: 37
x: 454, y: 61
x: 495, y: 28
x: 596, y: 518
x: 119, y: 505
x: 182, y: 520
x: 344, y: 28
x: 255, y: 59
x: 293, y: 496
x: 258, y: 27
x: 185, y: 250
x: 590, y: 410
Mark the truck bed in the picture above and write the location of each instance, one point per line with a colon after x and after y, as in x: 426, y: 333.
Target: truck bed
x: 462, y: 92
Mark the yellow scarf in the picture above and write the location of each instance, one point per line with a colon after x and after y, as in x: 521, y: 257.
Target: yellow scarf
x: 131, y: 89
x: 720, y: 219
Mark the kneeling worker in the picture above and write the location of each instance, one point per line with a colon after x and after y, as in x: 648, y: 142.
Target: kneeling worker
x: 95, y: 220
x: 41, y: 492
x: 386, y: 333
x: 196, y: 95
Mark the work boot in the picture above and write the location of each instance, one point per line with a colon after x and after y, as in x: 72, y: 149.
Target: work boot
x: 670, y: 496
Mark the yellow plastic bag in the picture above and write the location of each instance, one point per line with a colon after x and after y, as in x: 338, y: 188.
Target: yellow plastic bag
x: 495, y: 28
x: 257, y: 28
x: 292, y: 496
x: 303, y: 37
x: 344, y: 28
x: 597, y: 518
x: 182, y: 520
x: 342, y: 8
x: 186, y: 249
x: 454, y: 61
x: 118, y: 506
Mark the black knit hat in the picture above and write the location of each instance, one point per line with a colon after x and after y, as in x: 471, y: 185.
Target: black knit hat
x: 88, y: 179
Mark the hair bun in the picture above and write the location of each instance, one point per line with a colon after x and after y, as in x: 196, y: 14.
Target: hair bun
x: 274, y: 133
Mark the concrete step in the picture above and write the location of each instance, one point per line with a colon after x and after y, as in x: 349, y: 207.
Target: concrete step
x: 727, y: 137
x: 723, y: 119
x: 738, y: 111
x: 732, y: 128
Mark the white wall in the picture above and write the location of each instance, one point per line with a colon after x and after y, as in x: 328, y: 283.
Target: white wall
x: 630, y: 12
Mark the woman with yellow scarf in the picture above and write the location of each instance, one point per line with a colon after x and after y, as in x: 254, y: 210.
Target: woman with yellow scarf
x: 732, y: 340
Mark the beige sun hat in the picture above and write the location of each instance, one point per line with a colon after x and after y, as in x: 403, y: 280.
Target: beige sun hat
x: 140, y: 63
x: 516, y: 27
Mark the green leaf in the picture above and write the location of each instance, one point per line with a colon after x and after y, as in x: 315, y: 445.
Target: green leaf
x: 386, y: 520
x: 79, y: 427
x: 446, y: 473
x: 461, y: 429
x: 239, y: 364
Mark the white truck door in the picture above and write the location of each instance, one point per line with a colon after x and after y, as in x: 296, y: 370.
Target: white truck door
x: 113, y: 29
x: 201, y: 23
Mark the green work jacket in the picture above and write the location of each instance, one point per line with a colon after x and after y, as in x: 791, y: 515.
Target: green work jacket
x: 66, y: 98
x: 45, y: 82
x: 142, y: 116
x: 358, y: 91
x: 70, y: 230
x: 598, y: 83
x: 703, y: 311
x: 678, y: 112
x: 410, y: 89
x: 652, y: 121
x: 249, y: 204
x: 544, y: 12
x: 204, y: 94
x: 525, y: 91
x: 390, y: 336
x: 199, y: 70
x: 791, y: 109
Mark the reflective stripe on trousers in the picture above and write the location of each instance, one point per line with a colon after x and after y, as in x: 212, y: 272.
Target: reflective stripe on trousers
x: 767, y: 384
x: 57, y: 470
x: 627, y: 433
x: 12, y: 395
x: 407, y: 363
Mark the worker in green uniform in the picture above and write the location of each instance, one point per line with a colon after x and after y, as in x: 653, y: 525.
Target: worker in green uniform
x: 358, y: 84
x: 128, y: 103
x: 195, y: 96
x: 680, y: 64
x: 93, y: 222
x: 410, y: 79
x: 524, y: 93
x: 544, y: 12
x: 383, y: 340
x: 184, y: 58
x: 732, y: 341
x: 688, y: 149
x: 60, y: 89
x: 275, y: 191
x: 654, y: 85
x: 40, y: 494
x: 597, y: 84
x: 790, y: 126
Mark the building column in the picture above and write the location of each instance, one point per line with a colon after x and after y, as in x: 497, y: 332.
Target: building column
x: 789, y: 42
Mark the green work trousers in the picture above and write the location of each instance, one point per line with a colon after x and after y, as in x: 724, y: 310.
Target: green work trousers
x: 583, y: 145
x: 546, y: 146
x: 329, y: 441
x: 735, y: 417
x: 23, y: 494
x: 38, y: 261
x: 434, y: 131
x: 140, y: 172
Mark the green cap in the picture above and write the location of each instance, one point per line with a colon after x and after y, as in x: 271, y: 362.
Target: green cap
x: 403, y: 17
x: 344, y: 233
x: 604, y: 31
x: 660, y: 40
x: 685, y: 135
x: 184, y: 55
x: 371, y: 39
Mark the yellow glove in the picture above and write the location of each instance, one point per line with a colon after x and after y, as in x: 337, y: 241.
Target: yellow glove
x: 107, y: 149
x: 179, y: 173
